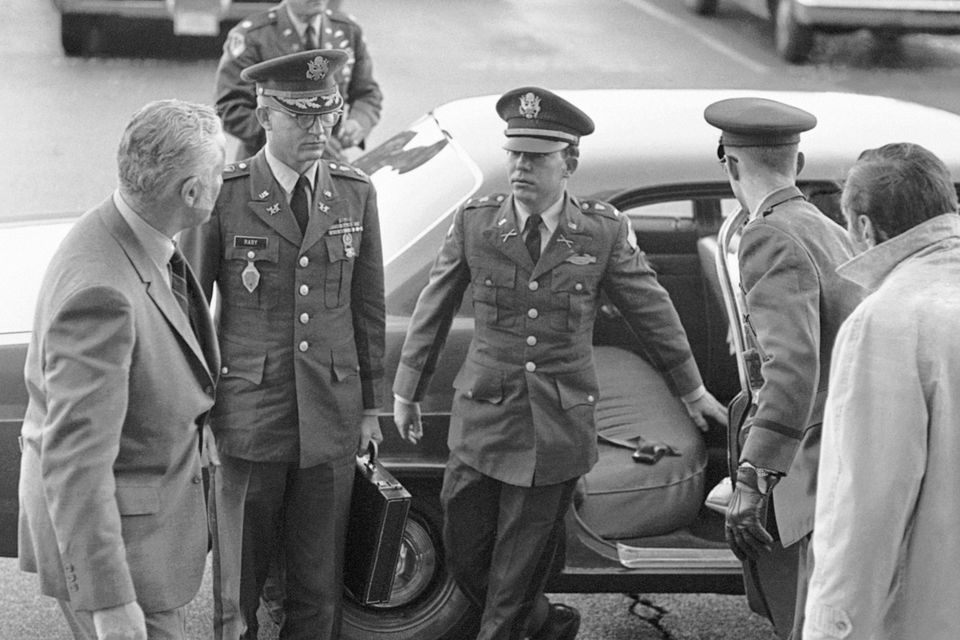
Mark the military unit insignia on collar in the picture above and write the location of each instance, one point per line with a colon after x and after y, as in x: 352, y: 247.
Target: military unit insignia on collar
x: 273, y: 209
x: 529, y: 105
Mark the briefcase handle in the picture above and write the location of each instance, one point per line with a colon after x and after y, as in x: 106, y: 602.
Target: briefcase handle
x: 368, y: 465
x: 370, y: 457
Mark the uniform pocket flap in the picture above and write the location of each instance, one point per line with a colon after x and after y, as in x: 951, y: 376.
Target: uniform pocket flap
x: 481, y: 384
x: 137, y: 501
x: 494, y: 276
x: 344, y: 364
x: 247, y: 365
x: 577, y: 388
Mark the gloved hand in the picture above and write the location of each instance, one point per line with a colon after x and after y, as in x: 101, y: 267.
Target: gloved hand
x: 745, y: 517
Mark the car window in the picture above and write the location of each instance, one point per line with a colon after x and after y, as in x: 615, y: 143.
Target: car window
x: 420, y: 176
x: 30, y: 247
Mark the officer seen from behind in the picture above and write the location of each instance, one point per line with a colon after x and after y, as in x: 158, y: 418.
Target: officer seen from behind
x: 293, y: 247
x: 795, y: 302
x: 522, y: 426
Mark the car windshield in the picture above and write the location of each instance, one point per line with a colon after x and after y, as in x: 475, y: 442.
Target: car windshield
x: 30, y: 246
x: 420, y: 175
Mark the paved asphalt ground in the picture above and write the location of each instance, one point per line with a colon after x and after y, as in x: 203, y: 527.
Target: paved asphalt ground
x: 605, y: 616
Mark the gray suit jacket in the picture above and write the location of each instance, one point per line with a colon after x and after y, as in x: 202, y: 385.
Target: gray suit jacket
x: 111, y: 498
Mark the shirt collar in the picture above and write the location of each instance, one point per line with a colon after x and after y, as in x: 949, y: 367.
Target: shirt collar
x: 286, y: 176
x: 301, y: 25
x: 775, y: 197
x: 550, y: 215
x: 157, y: 245
x: 871, y: 268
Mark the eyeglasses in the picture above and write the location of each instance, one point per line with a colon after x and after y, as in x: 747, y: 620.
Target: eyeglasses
x: 307, y: 122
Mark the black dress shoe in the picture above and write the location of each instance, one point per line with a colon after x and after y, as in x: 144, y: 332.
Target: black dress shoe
x: 562, y: 623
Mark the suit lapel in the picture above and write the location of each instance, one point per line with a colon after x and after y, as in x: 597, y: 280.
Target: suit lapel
x: 268, y: 201
x: 567, y: 240
x: 326, y: 201
x: 502, y: 234
x: 156, y: 287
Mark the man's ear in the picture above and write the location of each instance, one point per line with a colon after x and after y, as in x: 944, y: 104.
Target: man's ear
x: 869, y: 234
x: 263, y: 117
x: 572, y: 164
x: 800, y: 162
x: 190, y: 191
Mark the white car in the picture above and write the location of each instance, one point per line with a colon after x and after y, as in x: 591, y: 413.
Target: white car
x: 796, y: 21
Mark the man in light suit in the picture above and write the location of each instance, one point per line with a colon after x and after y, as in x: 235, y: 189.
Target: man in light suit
x: 120, y: 372
x: 522, y: 427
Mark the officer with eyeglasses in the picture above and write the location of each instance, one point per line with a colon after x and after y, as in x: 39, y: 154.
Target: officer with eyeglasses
x: 293, y: 248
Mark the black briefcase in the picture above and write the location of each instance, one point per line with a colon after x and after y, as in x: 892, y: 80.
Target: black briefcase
x: 378, y: 515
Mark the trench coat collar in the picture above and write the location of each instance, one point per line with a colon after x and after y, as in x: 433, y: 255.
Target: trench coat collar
x: 871, y: 268
x: 161, y: 293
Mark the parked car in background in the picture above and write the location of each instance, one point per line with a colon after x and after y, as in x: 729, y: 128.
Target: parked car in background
x: 636, y: 527
x: 795, y: 22
x: 86, y: 24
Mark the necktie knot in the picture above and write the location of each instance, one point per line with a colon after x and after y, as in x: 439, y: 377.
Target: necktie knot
x: 531, y: 231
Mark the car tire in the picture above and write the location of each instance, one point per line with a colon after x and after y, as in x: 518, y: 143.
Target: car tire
x: 792, y: 40
x: 702, y: 7
x: 426, y: 603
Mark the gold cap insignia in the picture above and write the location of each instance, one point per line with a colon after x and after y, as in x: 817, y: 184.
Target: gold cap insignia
x: 317, y: 68
x: 529, y: 105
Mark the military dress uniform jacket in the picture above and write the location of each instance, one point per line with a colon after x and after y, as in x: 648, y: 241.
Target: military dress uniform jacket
x: 796, y: 303
x: 302, y: 333
x: 271, y: 34
x: 111, y: 497
x: 523, y: 409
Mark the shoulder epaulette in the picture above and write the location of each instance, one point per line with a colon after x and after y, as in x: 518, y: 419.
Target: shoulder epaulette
x: 347, y: 171
x: 492, y: 200
x: 258, y: 20
x: 341, y: 16
x: 236, y: 170
x: 598, y: 207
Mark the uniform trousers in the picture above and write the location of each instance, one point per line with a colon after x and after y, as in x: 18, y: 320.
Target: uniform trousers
x: 500, y: 542
x: 161, y: 625
x: 260, y: 511
x: 776, y: 585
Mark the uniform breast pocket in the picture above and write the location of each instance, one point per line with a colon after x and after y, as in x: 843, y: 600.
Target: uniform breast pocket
x: 493, y: 291
x: 342, y: 250
x: 574, y: 289
x: 252, y: 279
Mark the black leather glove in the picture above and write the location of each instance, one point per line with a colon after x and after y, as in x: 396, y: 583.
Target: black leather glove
x: 746, y: 514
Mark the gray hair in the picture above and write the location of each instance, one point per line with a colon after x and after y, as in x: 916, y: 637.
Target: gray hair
x: 166, y: 140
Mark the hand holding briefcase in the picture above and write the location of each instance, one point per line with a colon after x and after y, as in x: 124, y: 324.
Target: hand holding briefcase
x: 378, y: 515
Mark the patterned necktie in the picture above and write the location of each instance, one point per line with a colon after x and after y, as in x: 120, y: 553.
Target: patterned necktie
x: 178, y: 283
x: 531, y: 233
x: 299, y: 203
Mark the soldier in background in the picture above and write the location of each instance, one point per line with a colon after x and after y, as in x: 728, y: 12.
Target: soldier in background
x: 293, y: 247
x: 292, y: 26
x: 788, y: 255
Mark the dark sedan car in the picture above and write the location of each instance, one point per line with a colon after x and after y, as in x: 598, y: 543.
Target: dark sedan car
x: 637, y: 525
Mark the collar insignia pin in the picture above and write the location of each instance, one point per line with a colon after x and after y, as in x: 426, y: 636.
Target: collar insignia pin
x: 509, y: 234
x: 273, y: 209
x: 263, y: 194
x: 565, y: 241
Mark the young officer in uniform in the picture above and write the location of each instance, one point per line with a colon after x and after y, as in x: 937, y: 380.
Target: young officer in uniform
x: 293, y: 26
x: 788, y: 255
x: 293, y: 246
x: 522, y: 426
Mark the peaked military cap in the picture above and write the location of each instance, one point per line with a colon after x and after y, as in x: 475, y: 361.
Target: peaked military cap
x: 300, y: 83
x: 539, y: 121
x: 757, y: 122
